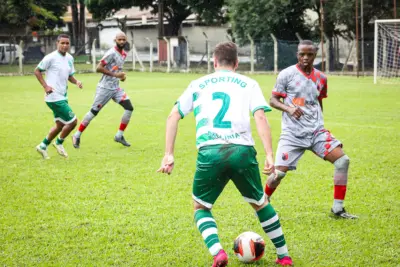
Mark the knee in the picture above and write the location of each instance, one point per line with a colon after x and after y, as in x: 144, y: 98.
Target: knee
x: 277, y: 176
x: 342, y: 162
x: 127, y: 105
x: 74, y: 123
x: 198, y: 206
x: 94, y: 112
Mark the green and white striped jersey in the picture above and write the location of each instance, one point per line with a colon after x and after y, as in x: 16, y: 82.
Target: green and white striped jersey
x: 58, y: 68
x: 222, y: 103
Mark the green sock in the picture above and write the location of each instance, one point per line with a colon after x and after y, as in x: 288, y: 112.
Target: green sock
x: 44, y: 143
x: 208, y: 229
x: 59, y: 141
x: 270, y: 223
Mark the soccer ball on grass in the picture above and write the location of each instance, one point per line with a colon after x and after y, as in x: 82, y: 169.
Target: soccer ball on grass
x: 249, y: 247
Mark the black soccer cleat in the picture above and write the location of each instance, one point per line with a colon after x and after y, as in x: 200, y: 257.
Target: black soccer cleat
x: 76, y: 141
x: 121, y: 140
x: 344, y: 215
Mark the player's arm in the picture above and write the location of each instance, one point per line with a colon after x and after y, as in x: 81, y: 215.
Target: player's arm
x: 320, y: 103
x: 39, y: 76
x: 72, y: 79
x: 275, y: 102
x: 167, y: 163
x: 264, y: 131
x: 101, y: 68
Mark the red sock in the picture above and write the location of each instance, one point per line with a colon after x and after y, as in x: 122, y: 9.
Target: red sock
x: 268, y: 190
x: 82, y: 127
x: 339, y: 192
x: 122, y: 126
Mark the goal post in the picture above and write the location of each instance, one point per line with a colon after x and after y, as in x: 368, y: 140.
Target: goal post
x: 387, y: 51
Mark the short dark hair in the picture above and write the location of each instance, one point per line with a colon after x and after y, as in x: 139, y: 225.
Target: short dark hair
x: 226, y: 54
x: 63, y: 35
x: 307, y: 42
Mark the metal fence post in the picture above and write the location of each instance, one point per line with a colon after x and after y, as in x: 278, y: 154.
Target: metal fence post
x: 251, y: 54
x: 208, y: 53
x: 275, y: 53
x: 187, y: 54
x: 94, y: 55
x: 168, y: 55
x: 20, y: 55
x: 151, y: 53
x: 328, y: 54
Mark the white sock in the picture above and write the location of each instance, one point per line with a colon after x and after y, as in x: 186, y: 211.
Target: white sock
x: 78, y: 134
x: 119, y: 133
x: 337, y: 205
x: 43, y: 146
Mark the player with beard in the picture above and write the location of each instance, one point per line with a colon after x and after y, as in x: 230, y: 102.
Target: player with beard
x: 301, y: 88
x: 108, y: 88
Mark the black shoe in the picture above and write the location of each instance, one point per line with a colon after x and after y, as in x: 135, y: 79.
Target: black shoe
x: 76, y: 141
x: 121, y: 140
x: 343, y: 214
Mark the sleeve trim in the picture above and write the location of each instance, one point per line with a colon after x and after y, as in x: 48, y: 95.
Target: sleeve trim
x: 72, y: 74
x: 279, y: 94
x: 40, y: 69
x: 265, y: 108
x: 178, y: 105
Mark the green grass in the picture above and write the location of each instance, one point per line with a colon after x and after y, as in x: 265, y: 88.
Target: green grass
x: 106, y: 205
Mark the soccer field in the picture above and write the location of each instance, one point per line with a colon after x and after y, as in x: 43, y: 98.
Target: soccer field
x: 106, y: 205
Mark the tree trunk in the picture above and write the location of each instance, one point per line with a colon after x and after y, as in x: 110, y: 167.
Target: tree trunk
x: 75, y: 22
x: 82, y: 25
x: 173, y: 28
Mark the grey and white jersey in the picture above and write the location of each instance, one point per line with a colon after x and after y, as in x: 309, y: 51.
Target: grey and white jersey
x: 113, y: 60
x: 301, y: 90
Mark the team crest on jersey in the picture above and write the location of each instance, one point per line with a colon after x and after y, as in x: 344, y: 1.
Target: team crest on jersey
x: 285, y: 156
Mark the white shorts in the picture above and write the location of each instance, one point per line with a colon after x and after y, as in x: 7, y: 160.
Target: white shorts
x: 291, y: 148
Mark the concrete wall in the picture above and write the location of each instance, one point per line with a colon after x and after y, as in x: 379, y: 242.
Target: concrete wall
x: 194, y: 35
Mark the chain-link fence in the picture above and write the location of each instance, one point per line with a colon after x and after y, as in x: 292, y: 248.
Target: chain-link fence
x: 179, y: 54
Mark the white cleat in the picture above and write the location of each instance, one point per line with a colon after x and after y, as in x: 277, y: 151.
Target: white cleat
x: 42, y: 152
x: 61, y: 150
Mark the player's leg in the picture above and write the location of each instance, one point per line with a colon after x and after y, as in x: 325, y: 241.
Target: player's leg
x: 329, y: 148
x: 101, y: 99
x: 209, y: 182
x: 122, y: 98
x: 246, y: 177
x: 289, y: 152
x: 42, y: 147
x: 66, y: 118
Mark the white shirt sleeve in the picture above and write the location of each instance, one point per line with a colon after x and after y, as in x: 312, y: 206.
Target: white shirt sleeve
x: 45, y: 63
x: 72, y: 71
x: 257, y: 100
x: 281, y: 84
x: 185, y: 101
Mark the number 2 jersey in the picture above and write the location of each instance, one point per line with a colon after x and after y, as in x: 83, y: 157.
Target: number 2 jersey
x: 222, y: 103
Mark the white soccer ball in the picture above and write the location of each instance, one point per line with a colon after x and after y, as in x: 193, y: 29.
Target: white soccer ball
x: 249, y: 247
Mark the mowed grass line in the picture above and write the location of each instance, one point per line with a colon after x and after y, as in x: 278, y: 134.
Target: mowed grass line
x: 106, y: 205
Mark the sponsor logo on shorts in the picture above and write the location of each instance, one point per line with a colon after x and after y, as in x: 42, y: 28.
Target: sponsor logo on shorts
x: 285, y: 156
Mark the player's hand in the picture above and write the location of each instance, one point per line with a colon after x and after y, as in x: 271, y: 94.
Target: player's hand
x: 120, y: 75
x: 269, y: 165
x: 79, y: 84
x: 296, y: 112
x: 48, y: 89
x: 167, y: 164
x: 123, y: 79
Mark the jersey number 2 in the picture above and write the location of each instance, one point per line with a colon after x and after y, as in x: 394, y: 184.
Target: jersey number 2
x: 218, y: 121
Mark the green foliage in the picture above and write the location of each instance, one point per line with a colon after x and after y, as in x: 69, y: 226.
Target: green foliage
x: 175, y: 11
x: 106, y: 206
x: 38, y: 14
x: 260, y: 18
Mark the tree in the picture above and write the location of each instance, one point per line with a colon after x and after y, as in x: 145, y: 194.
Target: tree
x: 260, y: 18
x: 175, y: 11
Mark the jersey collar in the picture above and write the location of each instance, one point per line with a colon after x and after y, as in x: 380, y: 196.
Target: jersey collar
x: 305, y: 74
x: 122, y: 52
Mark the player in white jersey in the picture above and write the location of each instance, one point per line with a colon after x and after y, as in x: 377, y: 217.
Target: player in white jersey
x: 108, y: 88
x: 221, y: 103
x: 302, y: 89
x: 59, y: 68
